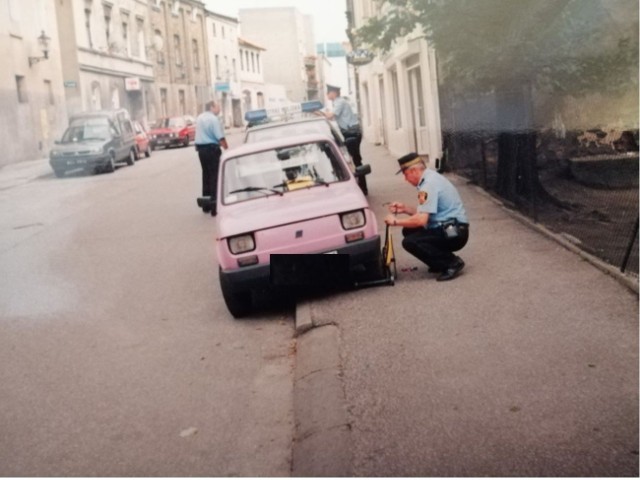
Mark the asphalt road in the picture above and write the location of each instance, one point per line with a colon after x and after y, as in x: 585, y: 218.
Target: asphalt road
x: 118, y: 356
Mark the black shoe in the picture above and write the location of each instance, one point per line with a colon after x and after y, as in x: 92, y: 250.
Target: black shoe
x: 206, y: 210
x: 213, y: 213
x: 451, y: 272
x: 435, y: 270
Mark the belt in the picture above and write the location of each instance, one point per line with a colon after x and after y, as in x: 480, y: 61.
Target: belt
x: 447, y: 222
x: 205, y: 146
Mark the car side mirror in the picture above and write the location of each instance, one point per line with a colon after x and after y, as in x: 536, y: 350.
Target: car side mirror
x: 363, y: 170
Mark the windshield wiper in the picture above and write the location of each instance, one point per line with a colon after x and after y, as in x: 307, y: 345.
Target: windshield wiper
x: 256, y: 189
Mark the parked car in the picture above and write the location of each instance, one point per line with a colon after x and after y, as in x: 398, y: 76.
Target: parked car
x: 171, y: 131
x: 265, y: 129
x: 143, y: 141
x: 279, y: 203
x: 95, y: 142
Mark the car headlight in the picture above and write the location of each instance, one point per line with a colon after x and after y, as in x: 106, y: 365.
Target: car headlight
x: 152, y: 137
x: 56, y: 153
x: 242, y: 243
x: 174, y: 135
x: 351, y: 220
x: 95, y: 150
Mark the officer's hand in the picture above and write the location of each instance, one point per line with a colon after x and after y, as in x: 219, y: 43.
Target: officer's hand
x: 396, y: 207
x: 390, y: 220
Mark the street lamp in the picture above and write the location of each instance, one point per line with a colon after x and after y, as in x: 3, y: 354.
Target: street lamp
x: 43, y: 41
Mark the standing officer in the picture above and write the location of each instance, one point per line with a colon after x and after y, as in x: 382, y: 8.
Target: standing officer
x: 349, y: 126
x: 209, y: 139
x: 438, y: 226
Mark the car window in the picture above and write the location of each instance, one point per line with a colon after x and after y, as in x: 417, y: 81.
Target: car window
x: 87, y: 129
x: 280, y: 171
x: 176, y: 122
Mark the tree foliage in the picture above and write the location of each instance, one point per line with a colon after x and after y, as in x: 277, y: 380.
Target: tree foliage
x: 568, y: 46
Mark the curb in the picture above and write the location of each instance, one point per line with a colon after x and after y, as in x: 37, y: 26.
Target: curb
x: 322, y: 432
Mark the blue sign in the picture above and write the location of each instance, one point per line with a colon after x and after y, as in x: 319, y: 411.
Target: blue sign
x: 222, y: 87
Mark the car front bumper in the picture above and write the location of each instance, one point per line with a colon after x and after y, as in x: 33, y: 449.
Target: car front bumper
x: 167, y: 142
x: 362, y: 255
x: 76, y: 162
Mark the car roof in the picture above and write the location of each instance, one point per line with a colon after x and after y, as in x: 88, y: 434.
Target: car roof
x: 278, y: 123
x: 261, y: 146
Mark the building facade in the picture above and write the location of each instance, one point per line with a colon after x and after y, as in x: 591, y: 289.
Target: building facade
x: 224, y: 65
x: 285, y: 34
x: 180, y: 58
x: 105, y: 62
x: 32, y: 99
x: 398, y: 92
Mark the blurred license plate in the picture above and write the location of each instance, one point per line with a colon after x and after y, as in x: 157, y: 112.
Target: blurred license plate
x: 313, y: 270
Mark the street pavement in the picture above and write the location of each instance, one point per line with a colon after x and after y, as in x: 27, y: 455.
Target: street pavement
x: 524, y: 365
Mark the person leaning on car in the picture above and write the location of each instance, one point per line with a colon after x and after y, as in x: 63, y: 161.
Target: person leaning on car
x: 438, y: 226
x: 209, y: 139
x: 349, y: 126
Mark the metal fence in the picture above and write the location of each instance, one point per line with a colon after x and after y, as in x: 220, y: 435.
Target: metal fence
x: 586, y: 192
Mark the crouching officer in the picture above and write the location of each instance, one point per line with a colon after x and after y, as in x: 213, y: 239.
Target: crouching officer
x: 438, y: 226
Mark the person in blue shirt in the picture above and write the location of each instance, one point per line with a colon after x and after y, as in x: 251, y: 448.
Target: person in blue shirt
x: 209, y: 140
x: 438, y: 226
x: 349, y: 125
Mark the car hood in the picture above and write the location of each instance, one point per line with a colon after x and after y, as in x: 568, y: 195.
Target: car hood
x: 301, y: 205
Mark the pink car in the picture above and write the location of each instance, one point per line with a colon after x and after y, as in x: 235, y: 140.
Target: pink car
x: 281, y: 200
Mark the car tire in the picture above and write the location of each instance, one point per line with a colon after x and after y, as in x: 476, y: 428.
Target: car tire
x: 131, y: 159
x: 110, y: 167
x: 186, y: 142
x: 148, y: 151
x: 239, y: 304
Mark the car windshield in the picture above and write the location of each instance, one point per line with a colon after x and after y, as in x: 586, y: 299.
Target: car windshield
x: 82, y: 130
x: 281, y: 170
x: 294, y: 128
x: 171, y: 122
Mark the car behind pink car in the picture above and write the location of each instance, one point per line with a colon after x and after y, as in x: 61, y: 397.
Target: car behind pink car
x: 280, y: 201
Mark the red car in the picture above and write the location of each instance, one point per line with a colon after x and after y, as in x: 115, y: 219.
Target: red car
x: 143, y: 142
x: 170, y: 131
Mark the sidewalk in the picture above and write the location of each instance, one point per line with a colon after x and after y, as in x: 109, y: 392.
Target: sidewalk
x: 19, y: 173
x: 525, y: 365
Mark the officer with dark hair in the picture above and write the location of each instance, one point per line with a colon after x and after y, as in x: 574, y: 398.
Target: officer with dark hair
x: 438, y: 226
x: 349, y: 126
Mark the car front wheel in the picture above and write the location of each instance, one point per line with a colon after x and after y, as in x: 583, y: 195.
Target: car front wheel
x: 131, y: 160
x: 110, y: 167
x: 239, y: 304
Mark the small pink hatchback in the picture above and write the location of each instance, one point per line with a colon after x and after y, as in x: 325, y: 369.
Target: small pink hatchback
x: 282, y: 206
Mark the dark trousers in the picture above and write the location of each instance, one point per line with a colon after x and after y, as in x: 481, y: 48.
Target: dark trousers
x: 352, y: 142
x: 210, y: 161
x: 431, y: 245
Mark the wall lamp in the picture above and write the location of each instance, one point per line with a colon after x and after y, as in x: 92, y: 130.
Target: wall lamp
x: 43, y: 41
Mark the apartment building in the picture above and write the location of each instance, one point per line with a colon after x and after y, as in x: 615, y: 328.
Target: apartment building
x: 104, y: 55
x: 180, y: 58
x: 32, y: 99
x: 287, y: 37
x: 398, y: 92
x: 222, y: 34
